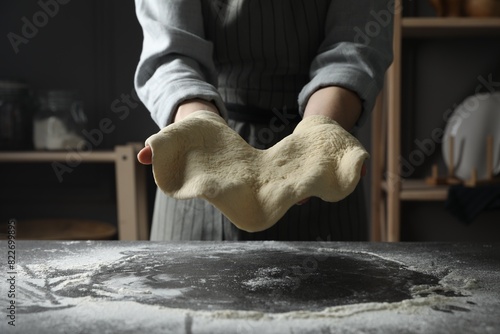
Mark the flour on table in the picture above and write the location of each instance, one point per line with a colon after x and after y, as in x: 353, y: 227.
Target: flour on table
x: 203, y: 157
x: 110, y: 289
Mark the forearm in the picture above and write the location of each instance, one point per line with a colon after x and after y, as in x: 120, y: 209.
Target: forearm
x: 348, y: 57
x: 176, y: 62
x: 340, y: 104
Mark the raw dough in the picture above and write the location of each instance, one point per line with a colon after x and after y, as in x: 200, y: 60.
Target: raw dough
x: 201, y: 156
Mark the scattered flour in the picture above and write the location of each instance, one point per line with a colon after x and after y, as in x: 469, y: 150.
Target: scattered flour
x: 45, y: 286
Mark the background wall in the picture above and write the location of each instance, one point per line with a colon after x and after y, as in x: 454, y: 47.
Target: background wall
x: 91, y: 46
x: 94, y: 46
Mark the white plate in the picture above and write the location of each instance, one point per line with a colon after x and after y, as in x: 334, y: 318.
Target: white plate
x: 472, y: 121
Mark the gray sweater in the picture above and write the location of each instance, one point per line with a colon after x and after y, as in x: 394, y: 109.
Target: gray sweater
x: 260, y: 53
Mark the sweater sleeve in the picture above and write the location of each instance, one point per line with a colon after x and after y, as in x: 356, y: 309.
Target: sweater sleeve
x: 176, y: 62
x: 356, y: 51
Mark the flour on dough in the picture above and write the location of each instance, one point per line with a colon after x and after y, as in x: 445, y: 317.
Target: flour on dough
x: 201, y: 156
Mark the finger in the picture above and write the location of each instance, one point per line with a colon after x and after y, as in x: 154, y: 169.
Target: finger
x: 145, y: 156
x: 363, y: 170
x: 304, y: 201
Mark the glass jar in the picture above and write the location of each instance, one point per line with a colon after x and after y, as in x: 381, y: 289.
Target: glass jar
x: 15, y: 116
x: 59, y: 121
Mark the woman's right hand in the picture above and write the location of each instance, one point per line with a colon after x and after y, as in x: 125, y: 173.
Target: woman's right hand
x: 190, y: 106
x: 145, y: 156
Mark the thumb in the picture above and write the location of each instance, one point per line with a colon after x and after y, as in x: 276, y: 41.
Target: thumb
x: 363, y: 170
x: 145, y: 156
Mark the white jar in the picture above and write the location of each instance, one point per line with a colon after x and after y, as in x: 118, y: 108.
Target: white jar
x: 58, y: 123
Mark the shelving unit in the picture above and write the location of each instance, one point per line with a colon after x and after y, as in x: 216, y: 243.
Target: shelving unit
x: 130, y: 182
x: 388, y: 188
x: 449, y: 27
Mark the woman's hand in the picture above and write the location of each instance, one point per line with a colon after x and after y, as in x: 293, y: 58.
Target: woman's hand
x: 340, y: 104
x: 305, y: 200
x: 190, y: 106
x: 145, y: 156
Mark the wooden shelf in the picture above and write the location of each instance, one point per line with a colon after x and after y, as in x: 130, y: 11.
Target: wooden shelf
x: 47, y: 156
x: 130, y: 181
x: 387, y: 118
x: 450, y: 27
x: 418, y: 190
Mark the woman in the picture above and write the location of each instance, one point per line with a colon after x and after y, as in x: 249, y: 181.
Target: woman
x: 262, y: 65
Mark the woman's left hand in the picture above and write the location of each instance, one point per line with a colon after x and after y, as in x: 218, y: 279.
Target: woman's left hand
x: 305, y: 200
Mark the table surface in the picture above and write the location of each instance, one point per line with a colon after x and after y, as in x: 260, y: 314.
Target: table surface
x: 247, y: 287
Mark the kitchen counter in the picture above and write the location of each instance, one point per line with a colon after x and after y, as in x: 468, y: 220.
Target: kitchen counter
x: 250, y: 287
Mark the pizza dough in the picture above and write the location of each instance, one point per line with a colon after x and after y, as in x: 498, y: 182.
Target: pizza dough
x: 201, y: 156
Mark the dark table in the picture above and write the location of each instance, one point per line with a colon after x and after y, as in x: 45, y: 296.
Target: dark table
x: 251, y: 287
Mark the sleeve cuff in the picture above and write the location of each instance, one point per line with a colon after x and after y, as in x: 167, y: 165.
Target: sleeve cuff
x: 163, y: 113
x: 347, y: 77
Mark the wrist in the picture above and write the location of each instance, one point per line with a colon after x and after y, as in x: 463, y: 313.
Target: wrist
x: 340, y: 104
x: 188, y: 107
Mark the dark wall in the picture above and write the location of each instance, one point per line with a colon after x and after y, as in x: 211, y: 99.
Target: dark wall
x: 94, y: 45
x: 91, y: 46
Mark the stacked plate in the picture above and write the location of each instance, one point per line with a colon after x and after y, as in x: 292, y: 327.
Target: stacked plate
x: 470, y: 125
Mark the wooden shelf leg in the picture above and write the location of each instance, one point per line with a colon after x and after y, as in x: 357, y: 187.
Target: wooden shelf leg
x: 141, y: 197
x: 489, y: 158
x: 451, y: 167
x: 376, y: 172
x: 383, y: 219
x: 131, y: 195
x: 394, y: 133
x: 393, y: 211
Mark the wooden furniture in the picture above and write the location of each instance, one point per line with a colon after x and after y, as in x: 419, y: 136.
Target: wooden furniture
x: 450, y: 179
x: 388, y: 188
x: 130, y: 182
x: 64, y: 229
